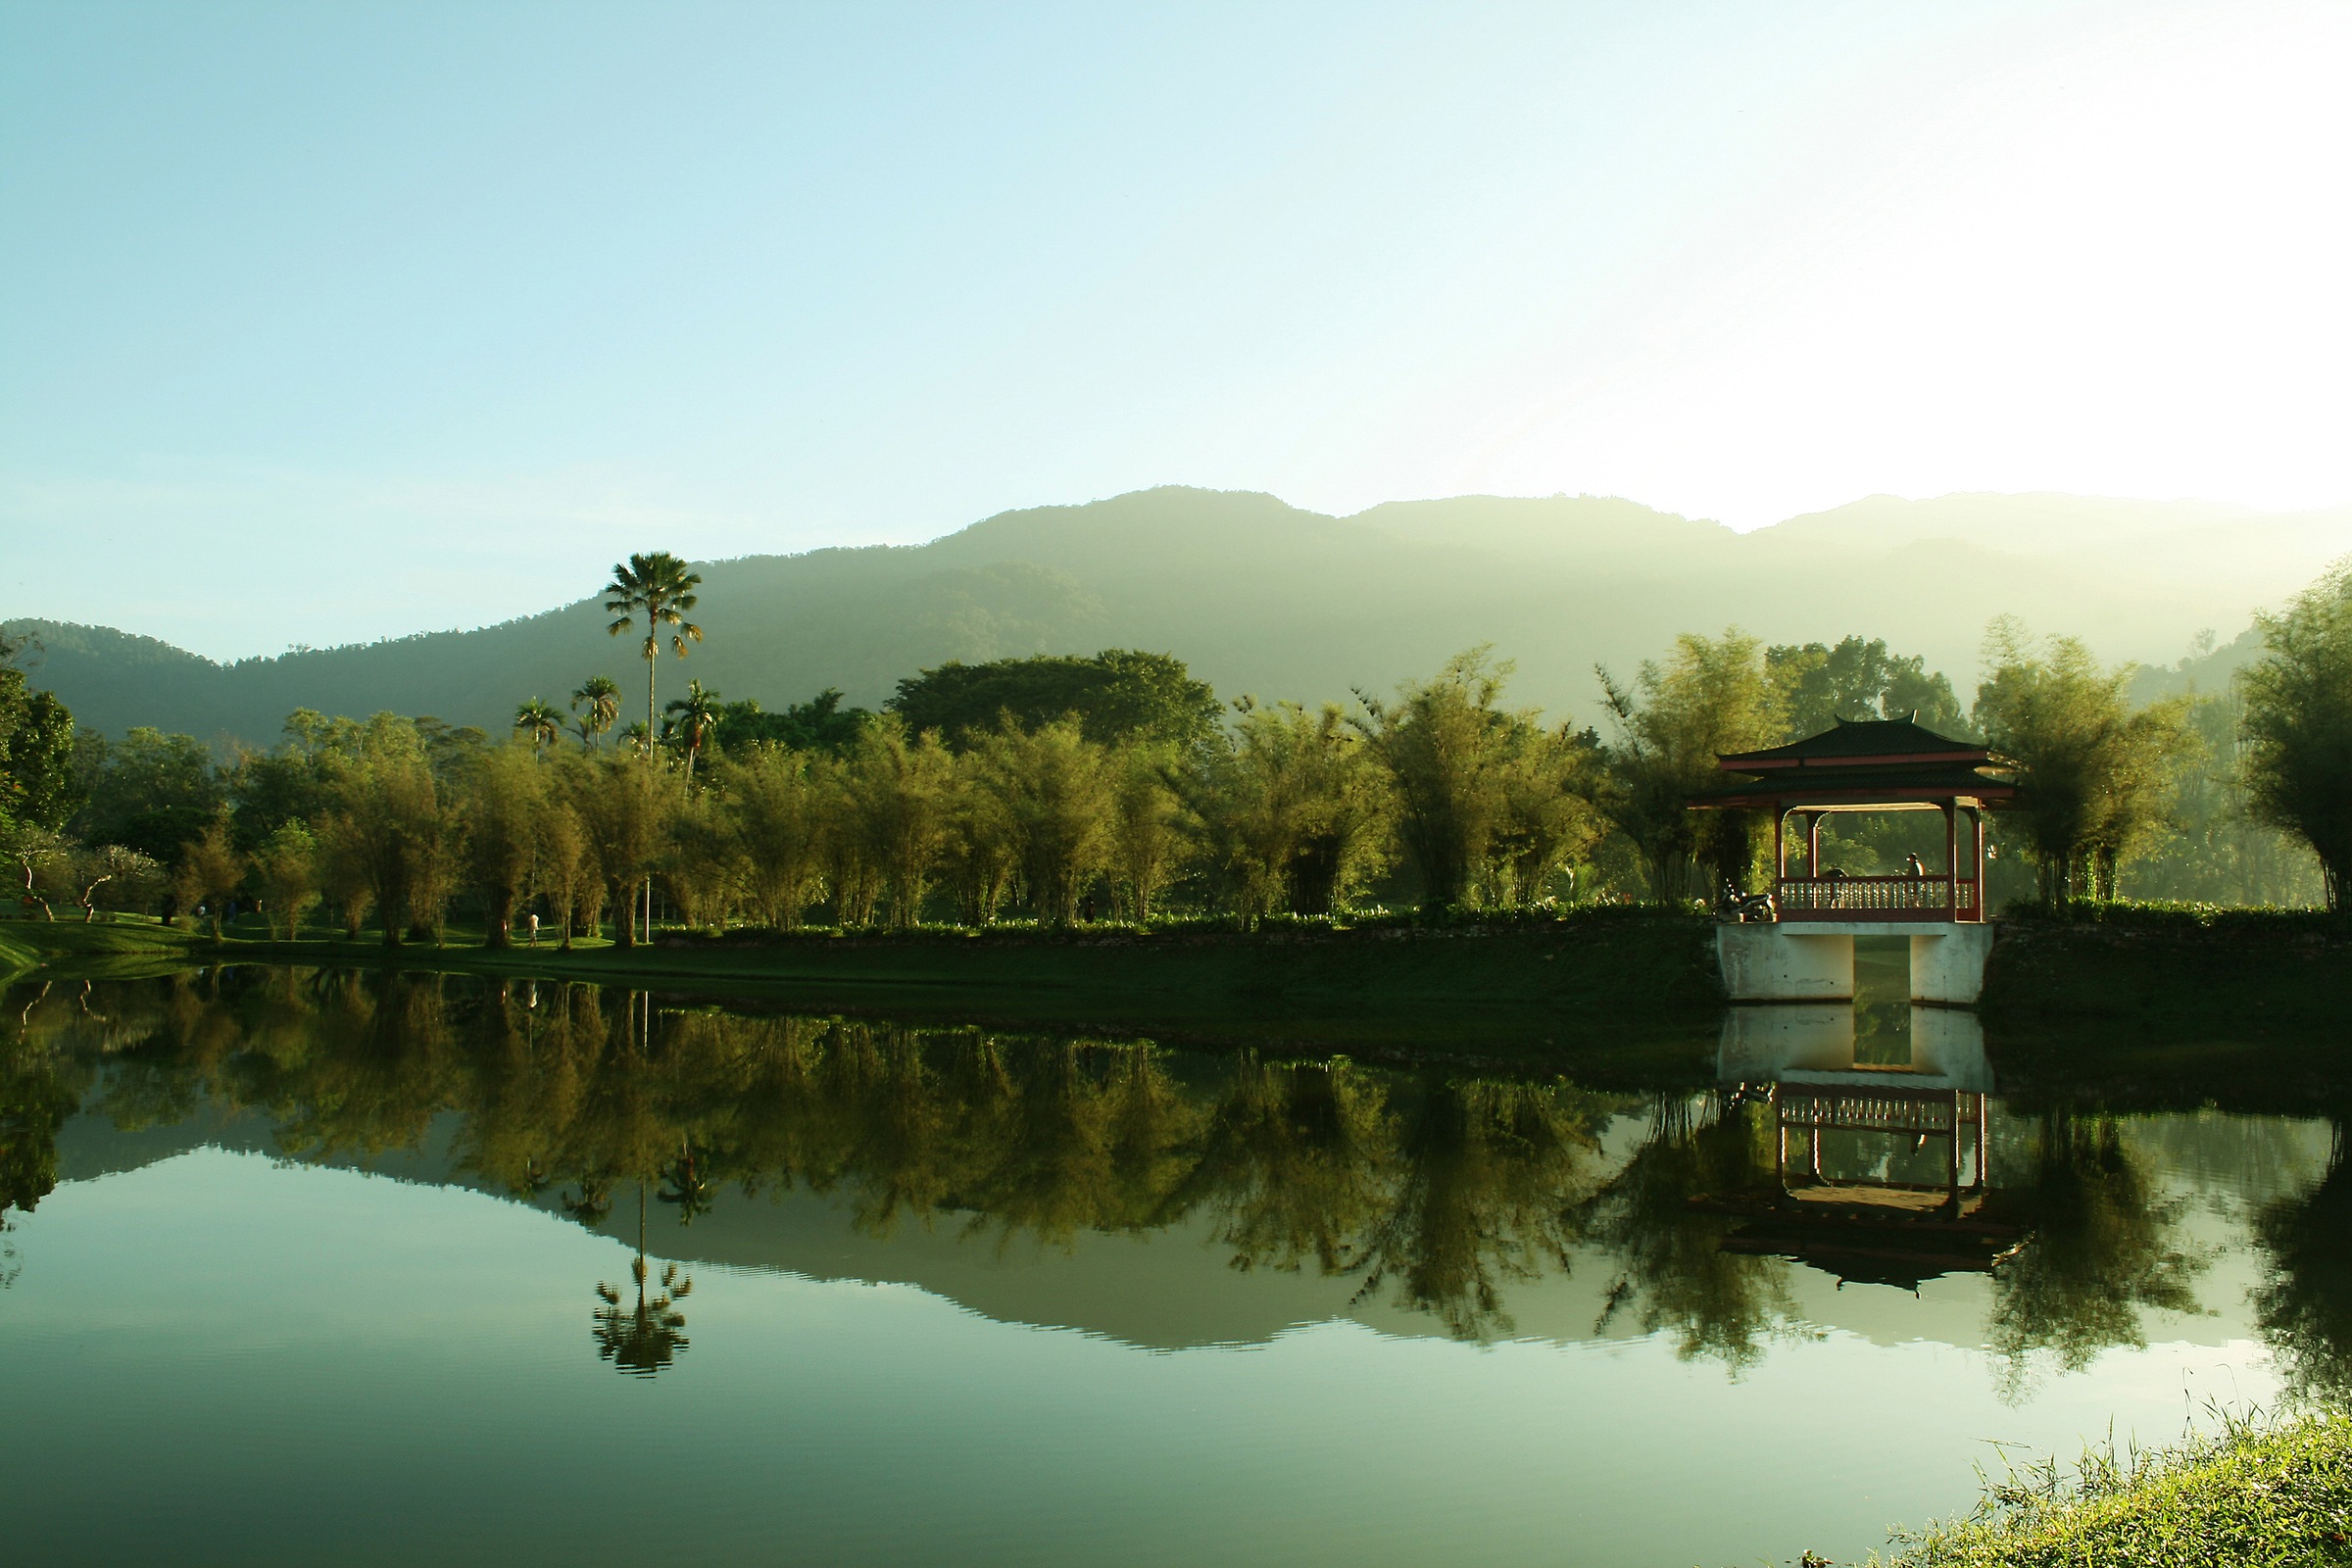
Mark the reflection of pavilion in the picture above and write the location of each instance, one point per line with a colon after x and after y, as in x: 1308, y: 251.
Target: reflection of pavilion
x: 1880, y: 1152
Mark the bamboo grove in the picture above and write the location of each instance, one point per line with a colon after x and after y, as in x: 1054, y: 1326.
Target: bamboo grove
x: 1067, y: 790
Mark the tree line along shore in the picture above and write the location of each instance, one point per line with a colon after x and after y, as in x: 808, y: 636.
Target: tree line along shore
x: 1066, y: 791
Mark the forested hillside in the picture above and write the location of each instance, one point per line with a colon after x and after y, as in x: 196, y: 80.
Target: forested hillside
x: 1259, y: 595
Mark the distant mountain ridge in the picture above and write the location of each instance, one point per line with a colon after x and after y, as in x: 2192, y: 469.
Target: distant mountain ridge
x: 1259, y: 595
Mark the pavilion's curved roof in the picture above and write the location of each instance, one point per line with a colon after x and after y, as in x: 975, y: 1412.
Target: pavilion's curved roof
x: 1857, y: 760
x: 1863, y: 743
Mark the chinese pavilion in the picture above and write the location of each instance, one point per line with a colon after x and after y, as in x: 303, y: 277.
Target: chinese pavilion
x: 1863, y: 766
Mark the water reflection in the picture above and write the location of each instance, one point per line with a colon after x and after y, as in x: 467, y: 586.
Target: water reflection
x: 1869, y: 1147
x: 643, y: 1339
x: 1880, y: 1143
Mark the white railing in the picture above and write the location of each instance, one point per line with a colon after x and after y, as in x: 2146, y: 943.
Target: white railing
x: 1898, y: 896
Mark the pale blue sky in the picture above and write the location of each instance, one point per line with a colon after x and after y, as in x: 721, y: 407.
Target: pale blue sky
x: 320, y: 322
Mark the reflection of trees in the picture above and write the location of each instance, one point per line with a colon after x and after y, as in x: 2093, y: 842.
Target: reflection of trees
x: 1672, y: 1272
x: 2306, y: 1305
x: 1295, y: 1162
x: 1436, y: 1194
x: 1488, y: 1175
x: 2103, y: 1248
x: 37, y: 1093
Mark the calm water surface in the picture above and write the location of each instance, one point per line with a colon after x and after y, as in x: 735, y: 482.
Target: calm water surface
x: 310, y: 1269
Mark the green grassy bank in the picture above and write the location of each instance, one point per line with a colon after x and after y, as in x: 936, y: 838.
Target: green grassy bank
x: 2239, y: 1007
x: 2253, y: 1497
x: 1639, y: 985
x: 2170, y: 992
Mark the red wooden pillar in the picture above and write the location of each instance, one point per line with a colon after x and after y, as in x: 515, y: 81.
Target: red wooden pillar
x: 1951, y: 858
x: 1779, y: 849
x: 1976, y: 838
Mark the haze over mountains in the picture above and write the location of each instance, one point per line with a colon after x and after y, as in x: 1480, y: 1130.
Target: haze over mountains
x: 1261, y: 597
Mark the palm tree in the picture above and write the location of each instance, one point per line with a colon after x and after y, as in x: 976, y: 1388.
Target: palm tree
x: 540, y: 721
x: 602, y: 693
x: 660, y: 588
x: 697, y: 717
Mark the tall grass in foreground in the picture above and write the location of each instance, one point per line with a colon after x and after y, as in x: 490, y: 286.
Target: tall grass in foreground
x: 2246, y: 1492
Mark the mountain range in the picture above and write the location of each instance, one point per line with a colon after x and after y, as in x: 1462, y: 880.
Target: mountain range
x: 1265, y: 597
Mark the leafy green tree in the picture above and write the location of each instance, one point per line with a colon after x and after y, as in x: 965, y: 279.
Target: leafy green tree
x: 502, y: 803
x: 1056, y: 790
x: 2215, y: 848
x: 1325, y: 781
x: 42, y: 855
x: 898, y: 789
x: 776, y: 802
x: 286, y: 870
x: 151, y: 790
x: 560, y: 866
x: 1551, y: 784
x: 393, y: 826
x: 1146, y: 839
x: 39, y: 785
x: 1117, y: 695
x: 211, y: 870
x: 1446, y: 745
x: 131, y: 879
x: 660, y: 588
x: 624, y: 810
x: 346, y: 880
x: 702, y: 865
x: 819, y: 724
x: 291, y: 782
x: 539, y: 720
x: 2298, y: 725
x: 1711, y: 698
x: 1819, y: 685
x: 853, y: 874
x: 601, y: 698
x: 1245, y: 818
x: 981, y: 857
x: 2095, y: 775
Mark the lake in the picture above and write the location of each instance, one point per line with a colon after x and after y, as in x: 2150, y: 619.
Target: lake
x: 311, y: 1267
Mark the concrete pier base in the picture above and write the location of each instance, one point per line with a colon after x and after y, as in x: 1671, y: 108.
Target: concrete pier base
x: 1813, y: 960
x: 1781, y: 962
x: 1947, y: 966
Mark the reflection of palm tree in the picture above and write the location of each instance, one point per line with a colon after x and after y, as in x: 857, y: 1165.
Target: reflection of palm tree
x: 595, y: 1202
x: 641, y: 1340
x: 685, y: 1183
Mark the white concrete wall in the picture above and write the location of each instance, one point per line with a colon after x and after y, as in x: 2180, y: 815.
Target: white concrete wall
x: 1949, y: 966
x: 1776, y: 962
